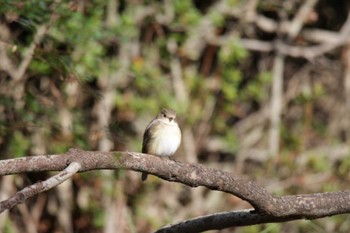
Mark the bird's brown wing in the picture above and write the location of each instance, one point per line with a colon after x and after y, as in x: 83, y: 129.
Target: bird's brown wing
x: 147, y: 140
x: 147, y: 136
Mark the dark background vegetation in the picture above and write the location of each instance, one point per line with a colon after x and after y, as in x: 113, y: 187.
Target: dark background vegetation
x: 101, y: 70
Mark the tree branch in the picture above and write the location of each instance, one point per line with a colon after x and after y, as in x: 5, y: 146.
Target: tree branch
x: 28, y: 55
x: 308, y: 206
x: 223, y: 220
x: 39, y: 187
x: 301, y: 16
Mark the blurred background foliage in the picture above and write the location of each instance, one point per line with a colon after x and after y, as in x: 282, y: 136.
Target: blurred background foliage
x: 96, y: 72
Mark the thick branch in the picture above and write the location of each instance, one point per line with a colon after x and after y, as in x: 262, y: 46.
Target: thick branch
x: 298, y: 206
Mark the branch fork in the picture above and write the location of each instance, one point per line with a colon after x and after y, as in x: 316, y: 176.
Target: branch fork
x: 267, y: 207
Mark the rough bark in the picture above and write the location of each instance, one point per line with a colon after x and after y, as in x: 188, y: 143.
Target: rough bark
x: 308, y: 206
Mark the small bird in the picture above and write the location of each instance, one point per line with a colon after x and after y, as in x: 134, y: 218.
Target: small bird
x: 162, y: 136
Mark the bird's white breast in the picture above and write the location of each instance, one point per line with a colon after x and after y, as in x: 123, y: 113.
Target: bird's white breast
x: 167, y: 139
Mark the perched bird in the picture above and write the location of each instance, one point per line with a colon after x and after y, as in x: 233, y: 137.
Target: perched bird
x: 162, y: 136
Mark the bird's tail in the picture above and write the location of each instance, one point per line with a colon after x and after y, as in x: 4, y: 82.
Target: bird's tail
x: 144, y: 176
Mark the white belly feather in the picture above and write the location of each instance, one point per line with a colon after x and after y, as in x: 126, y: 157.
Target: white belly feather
x: 166, y: 140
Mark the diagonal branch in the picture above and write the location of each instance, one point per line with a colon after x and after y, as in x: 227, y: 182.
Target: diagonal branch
x: 28, y: 55
x: 301, y: 16
x: 219, y: 221
x: 39, y: 187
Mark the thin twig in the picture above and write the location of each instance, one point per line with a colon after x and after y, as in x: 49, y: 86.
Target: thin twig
x: 276, y: 104
x: 39, y: 187
x: 28, y: 55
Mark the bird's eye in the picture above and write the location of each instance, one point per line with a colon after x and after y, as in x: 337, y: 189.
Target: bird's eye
x: 163, y: 115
